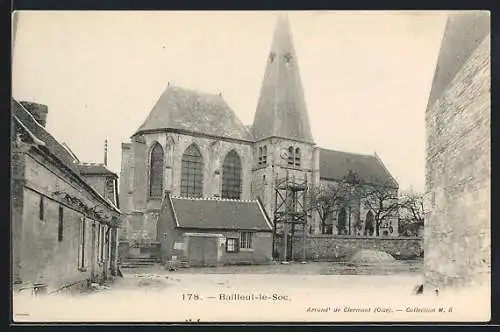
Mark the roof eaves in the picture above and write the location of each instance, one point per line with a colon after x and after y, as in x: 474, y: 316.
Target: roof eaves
x: 173, y: 210
x: 386, y: 170
x: 264, y: 213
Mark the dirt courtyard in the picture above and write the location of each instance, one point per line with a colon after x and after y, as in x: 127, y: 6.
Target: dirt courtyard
x: 294, y: 292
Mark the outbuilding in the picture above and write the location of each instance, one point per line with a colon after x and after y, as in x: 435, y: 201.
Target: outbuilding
x: 214, y: 232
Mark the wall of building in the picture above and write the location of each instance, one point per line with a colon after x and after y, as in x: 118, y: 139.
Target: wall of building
x: 103, y: 184
x: 328, y: 247
x: 17, y: 202
x: 175, y: 242
x: 140, y: 211
x: 126, y: 179
x: 457, y: 229
x: 261, y: 253
x: 43, y: 258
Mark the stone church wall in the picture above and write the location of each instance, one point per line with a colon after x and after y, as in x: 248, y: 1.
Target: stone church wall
x: 457, y: 230
x: 139, y: 209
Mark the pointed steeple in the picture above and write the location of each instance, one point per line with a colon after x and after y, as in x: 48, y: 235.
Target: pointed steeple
x: 281, y: 109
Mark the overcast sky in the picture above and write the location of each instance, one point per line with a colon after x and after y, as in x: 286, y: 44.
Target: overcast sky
x: 366, y: 75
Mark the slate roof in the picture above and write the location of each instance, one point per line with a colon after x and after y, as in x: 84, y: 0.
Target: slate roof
x: 95, y: 169
x: 184, y: 109
x: 221, y: 214
x: 281, y: 108
x: 334, y: 165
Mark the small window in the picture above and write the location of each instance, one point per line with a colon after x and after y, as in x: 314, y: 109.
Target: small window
x: 264, y: 155
x: 290, y: 155
x: 60, y: 229
x: 232, y: 245
x: 260, y: 156
x: 327, y: 229
x: 246, y: 240
x: 41, y: 208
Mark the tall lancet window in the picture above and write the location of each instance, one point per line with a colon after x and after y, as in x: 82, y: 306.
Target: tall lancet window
x: 156, y: 171
x: 297, y: 157
x: 264, y: 155
x: 192, y: 172
x: 290, y: 155
x: 231, y: 176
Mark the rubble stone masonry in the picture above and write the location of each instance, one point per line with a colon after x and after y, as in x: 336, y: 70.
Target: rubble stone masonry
x: 457, y: 229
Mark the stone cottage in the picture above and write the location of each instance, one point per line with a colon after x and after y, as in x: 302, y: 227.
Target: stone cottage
x: 214, y: 231
x: 64, y: 221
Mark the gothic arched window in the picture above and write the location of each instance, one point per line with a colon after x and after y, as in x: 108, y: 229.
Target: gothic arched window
x: 192, y: 172
x: 297, y: 157
x: 264, y: 155
x: 341, y: 222
x: 369, y: 223
x: 260, y: 156
x: 290, y: 155
x: 156, y: 171
x: 231, y: 176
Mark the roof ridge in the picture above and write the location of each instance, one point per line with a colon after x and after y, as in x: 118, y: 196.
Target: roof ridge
x: 192, y: 90
x: 347, y: 152
x: 214, y: 199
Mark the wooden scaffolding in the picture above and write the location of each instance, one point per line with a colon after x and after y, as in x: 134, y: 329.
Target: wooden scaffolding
x: 290, y: 214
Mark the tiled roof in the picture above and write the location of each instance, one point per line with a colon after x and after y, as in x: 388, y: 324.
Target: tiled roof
x: 184, y: 109
x: 94, y: 169
x: 281, y: 108
x: 219, y: 214
x: 335, y: 165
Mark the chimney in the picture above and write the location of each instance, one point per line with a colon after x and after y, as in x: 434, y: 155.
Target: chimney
x: 106, y: 152
x: 38, y: 111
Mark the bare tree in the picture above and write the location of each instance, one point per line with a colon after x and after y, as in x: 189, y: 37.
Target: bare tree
x: 324, y: 200
x: 412, y: 210
x: 382, y: 200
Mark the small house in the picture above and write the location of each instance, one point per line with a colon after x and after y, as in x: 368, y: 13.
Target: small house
x: 214, y: 232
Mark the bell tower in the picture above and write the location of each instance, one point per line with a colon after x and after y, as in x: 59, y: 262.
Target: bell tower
x: 284, y: 145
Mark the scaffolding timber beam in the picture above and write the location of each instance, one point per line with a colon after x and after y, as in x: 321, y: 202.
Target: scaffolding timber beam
x: 289, y: 211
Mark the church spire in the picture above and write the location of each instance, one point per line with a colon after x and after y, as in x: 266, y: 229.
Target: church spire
x: 281, y: 109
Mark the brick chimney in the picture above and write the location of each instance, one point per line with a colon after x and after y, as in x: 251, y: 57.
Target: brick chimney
x: 38, y: 111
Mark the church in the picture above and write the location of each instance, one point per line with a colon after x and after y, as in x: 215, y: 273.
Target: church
x: 192, y: 145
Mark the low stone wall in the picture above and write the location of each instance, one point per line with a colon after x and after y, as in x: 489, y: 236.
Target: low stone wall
x: 328, y: 247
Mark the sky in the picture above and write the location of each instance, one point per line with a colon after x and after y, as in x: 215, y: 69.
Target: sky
x: 366, y: 75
